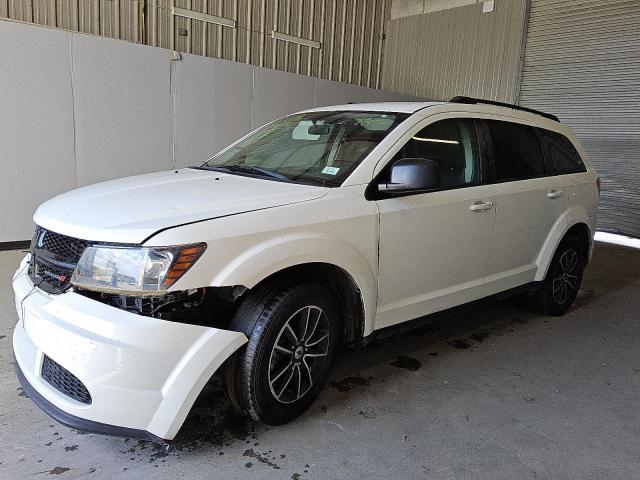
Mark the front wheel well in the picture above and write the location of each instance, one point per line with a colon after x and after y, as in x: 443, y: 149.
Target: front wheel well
x: 341, y: 284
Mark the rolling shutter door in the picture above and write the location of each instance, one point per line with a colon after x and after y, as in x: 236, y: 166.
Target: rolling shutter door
x: 582, y: 63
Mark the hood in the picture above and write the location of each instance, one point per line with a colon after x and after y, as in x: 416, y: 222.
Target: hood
x: 129, y: 210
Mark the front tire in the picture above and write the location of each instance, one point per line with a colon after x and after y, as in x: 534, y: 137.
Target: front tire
x: 293, y: 331
x: 564, y: 277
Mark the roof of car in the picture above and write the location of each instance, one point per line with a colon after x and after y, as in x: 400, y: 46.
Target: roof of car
x: 478, y: 105
x: 404, y: 107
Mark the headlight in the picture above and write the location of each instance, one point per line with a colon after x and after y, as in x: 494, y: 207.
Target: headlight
x: 136, y: 271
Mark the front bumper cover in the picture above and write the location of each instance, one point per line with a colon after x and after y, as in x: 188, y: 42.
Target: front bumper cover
x: 80, y: 423
x: 143, y: 374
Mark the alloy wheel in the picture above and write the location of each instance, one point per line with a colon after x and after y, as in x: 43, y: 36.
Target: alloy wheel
x: 565, y: 280
x: 298, y: 354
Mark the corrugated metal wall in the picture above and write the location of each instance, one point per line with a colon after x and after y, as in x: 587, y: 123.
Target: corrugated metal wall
x: 111, y: 18
x: 459, y: 51
x: 582, y: 62
x: 350, y: 32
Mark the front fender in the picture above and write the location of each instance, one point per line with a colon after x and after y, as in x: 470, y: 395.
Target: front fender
x: 274, y: 255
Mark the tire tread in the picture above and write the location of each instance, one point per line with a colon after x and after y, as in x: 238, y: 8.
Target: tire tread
x: 253, y: 318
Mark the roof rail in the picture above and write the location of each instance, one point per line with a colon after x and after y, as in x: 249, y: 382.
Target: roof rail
x: 473, y: 101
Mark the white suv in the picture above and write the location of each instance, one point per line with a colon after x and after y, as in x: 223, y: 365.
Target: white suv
x: 311, y: 233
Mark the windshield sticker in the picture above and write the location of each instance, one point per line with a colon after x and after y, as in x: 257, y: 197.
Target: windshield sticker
x: 330, y: 170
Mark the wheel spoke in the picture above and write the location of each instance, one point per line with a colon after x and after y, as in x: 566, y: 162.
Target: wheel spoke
x: 573, y: 261
x: 286, y: 384
x: 292, y: 333
x: 306, y: 323
x: 299, y: 380
x: 317, y: 341
x: 281, y: 373
x: 283, y: 350
x: 307, y: 355
x: 306, y: 366
x: 315, y: 326
x: 557, y: 287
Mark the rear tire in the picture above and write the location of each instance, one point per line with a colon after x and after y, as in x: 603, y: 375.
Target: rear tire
x: 562, y: 282
x: 293, y: 331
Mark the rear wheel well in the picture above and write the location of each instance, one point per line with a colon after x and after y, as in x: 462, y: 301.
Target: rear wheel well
x: 581, y: 232
x: 341, y: 284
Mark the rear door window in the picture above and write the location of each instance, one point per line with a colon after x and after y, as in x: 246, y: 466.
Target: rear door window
x: 562, y: 156
x: 517, y: 152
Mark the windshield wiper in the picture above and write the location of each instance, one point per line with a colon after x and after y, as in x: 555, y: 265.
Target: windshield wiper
x: 247, y: 169
x: 256, y: 170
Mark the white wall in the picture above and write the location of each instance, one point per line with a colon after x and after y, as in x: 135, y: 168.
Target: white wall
x: 122, y: 106
x: 37, y: 157
x: 76, y: 109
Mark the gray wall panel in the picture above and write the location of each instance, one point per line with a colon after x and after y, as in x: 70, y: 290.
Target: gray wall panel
x: 278, y: 93
x: 123, y: 108
x: 36, y: 124
x: 331, y: 93
x: 213, y: 106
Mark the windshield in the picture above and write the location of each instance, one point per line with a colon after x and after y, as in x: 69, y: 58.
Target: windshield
x: 319, y: 148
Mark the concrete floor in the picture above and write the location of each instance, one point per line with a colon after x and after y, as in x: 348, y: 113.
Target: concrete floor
x: 495, y: 393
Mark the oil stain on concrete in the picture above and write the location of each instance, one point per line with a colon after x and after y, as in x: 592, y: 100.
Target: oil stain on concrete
x: 408, y: 363
x: 347, y: 383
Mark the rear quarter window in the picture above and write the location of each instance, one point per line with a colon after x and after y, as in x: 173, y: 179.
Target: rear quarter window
x: 561, y: 155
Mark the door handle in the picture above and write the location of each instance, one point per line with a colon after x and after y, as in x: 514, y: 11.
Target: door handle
x: 479, y: 206
x: 555, y: 194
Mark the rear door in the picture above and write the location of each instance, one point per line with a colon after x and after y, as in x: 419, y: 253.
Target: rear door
x: 529, y: 201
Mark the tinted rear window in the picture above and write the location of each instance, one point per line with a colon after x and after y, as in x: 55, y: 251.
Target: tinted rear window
x: 516, y: 150
x: 561, y: 154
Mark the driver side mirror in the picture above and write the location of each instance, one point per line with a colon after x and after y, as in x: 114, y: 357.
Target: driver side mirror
x: 412, y: 175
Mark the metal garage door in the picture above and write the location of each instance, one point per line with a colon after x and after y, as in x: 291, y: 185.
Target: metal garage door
x: 582, y: 62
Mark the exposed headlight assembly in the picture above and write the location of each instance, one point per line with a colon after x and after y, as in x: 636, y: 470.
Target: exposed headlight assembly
x: 135, y: 271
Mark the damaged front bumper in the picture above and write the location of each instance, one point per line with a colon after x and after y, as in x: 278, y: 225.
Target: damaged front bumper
x: 143, y: 374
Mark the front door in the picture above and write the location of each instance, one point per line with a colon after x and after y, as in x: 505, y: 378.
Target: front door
x: 434, y: 246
